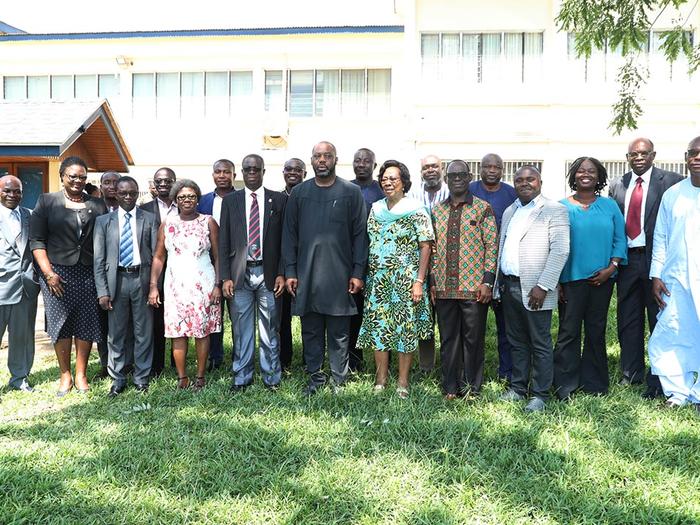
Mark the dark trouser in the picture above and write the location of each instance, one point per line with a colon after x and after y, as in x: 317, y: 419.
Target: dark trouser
x: 102, y: 344
x: 314, y: 330
x: 633, y: 297
x: 572, y: 370
x: 355, y: 359
x: 216, y: 339
x: 286, y: 346
x: 505, y: 361
x: 158, y: 340
x: 462, y: 329
x: 529, y: 333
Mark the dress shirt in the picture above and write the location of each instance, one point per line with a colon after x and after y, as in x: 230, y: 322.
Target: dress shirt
x: 13, y: 219
x: 216, y: 207
x: 134, y: 233
x: 510, y: 258
x: 640, y: 241
x: 164, y: 210
x: 430, y: 199
x: 260, y: 196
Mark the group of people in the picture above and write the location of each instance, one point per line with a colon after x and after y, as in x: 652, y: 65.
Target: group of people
x: 367, y: 265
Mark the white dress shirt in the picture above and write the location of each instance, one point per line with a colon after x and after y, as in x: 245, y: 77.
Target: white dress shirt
x: 136, y: 256
x: 13, y: 218
x: 164, y: 210
x: 641, y: 239
x: 260, y: 196
x: 216, y: 208
x: 430, y: 199
x: 510, y: 257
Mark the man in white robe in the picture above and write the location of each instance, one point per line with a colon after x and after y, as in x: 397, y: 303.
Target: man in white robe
x: 674, y: 346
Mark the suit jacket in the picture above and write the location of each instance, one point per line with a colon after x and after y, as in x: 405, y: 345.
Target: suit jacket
x: 106, y: 243
x: 17, y: 278
x: 54, y: 228
x: 659, y: 182
x: 206, y: 203
x: 544, y: 248
x: 233, y: 238
x: 152, y: 207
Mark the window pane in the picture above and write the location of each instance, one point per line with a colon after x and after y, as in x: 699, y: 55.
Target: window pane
x: 327, y: 92
x: 108, y: 85
x: 470, y: 57
x: 450, y: 65
x: 167, y: 95
x: 378, y: 91
x: 143, y: 95
x: 512, y: 70
x: 216, y: 93
x: 430, y: 53
x: 301, y: 91
x: 352, y: 88
x: 490, y: 56
x: 61, y: 87
x: 85, y: 86
x: 242, y: 91
x: 192, y: 91
x: 38, y: 87
x: 274, y: 95
x: 14, y: 88
x: 532, y: 57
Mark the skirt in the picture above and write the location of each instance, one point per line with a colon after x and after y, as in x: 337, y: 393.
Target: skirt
x: 77, y: 313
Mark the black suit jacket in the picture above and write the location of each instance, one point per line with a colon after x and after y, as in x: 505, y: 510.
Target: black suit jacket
x: 153, y: 208
x: 659, y: 182
x: 233, y: 238
x: 54, y: 228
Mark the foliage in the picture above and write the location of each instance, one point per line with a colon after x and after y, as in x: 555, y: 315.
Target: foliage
x: 624, y: 25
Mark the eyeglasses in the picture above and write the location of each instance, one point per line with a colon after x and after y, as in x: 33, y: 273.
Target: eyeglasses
x: 458, y: 175
x: 188, y: 197
x: 641, y: 154
x: 163, y: 182
x: 133, y: 194
x: 251, y: 169
x: 692, y: 153
x: 76, y: 178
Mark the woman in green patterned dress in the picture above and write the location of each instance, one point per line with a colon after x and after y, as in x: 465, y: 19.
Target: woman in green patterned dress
x: 397, y: 313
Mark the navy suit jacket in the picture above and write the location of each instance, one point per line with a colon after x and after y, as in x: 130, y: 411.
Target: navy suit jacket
x: 206, y: 203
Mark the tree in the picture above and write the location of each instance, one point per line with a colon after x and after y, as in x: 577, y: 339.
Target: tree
x: 625, y: 25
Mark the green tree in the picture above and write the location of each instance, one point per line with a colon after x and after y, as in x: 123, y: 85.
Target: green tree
x: 625, y: 25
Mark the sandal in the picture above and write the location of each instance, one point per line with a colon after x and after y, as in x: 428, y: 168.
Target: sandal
x: 199, y: 383
x: 183, y: 382
x: 402, y: 392
x: 379, y: 387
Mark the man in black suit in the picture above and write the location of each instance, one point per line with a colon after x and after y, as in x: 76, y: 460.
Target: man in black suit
x: 250, y: 243
x: 160, y: 207
x: 124, y: 242
x: 638, y: 193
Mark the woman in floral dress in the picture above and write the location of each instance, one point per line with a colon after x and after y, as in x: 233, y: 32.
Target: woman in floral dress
x: 192, y: 290
x: 397, y: 313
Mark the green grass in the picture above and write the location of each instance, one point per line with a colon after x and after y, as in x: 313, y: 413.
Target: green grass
x: 355, y: 457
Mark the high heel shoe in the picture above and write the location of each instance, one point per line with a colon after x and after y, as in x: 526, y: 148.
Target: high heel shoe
x: 199, y: 383
x: 62, y: 393
x: 183, y: 382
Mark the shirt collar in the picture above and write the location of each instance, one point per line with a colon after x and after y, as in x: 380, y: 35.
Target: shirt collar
x: 469, y: 200
x: 646, y: 176
x: 7, y: 212
x: 258, y: 193
x: 122, y: 212
x: 162, y: 203
x: 534, y: 202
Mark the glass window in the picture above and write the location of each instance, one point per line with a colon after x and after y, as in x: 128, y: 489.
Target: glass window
x: 450, y: 53
x: 430, y: 52
x: 378, y: 91
x: 242, y: 91
x: 108, y: 85
x: 532, y: 57
x: 38, y: 87
x: 216, y: 93
x: 85, y: 86
x: 192, y: 92
x: 15, y: 88
x: 143, y: 93
x: 327, y: 92
x: 274, y: 94
x: 490, y: 57
x: 301, y: 92
x: 62, y: 87
x: 167, y: 95
x: 512, y: 70
x: 470, y: 57
x: 352, y: 91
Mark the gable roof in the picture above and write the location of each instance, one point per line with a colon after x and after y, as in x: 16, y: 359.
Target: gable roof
x: 9, y: 30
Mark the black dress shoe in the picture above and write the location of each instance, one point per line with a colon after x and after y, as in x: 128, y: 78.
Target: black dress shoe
x: 653, y: 393
x: 115, y: 390
x: 235, y: 389
x: 141, y: 387
x: 272, y: 388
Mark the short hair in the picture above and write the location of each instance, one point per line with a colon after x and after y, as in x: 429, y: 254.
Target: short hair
x: 459, y: 161
x: 602, y: 173
x: 224, y: 161
x: 126, y: 178
x: 335, y: 151
x: 403, y: 173
x: 89, y: 188
x: 367, y: 150
x: 108, y: 173
x: 71, y: 161
x: 303, y: 164
x: 529, y: 167
x: 184, y: 183
x: 169, y: 171
x: 254, y: 156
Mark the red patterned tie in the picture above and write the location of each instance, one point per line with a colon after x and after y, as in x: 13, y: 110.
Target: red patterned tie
x: 633, y: 225
x: 254, y: 229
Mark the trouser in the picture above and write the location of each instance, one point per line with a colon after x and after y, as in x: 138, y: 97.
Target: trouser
x: 426, y: 351
x: 103, y: 346
x: 462, y: 326
x: 18, y: 319
x: 286, y: 340
x: 573, y: 369
x: 634, y: 297
x: 253, y: 300
x: 355, y: 357
x: 315, y: 329
x: 529, y: 333
x: 505, y: 361
x: 216, y: 339
x: 682, y: 389
x: 158, y: 339
x: 129, y: 309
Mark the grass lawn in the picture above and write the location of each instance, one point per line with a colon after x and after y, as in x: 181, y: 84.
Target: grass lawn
x: 355, y: 457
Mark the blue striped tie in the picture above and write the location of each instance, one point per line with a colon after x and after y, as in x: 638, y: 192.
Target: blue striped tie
x: 126, y: 248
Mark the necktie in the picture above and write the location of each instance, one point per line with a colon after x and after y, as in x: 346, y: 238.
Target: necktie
x: 633, y: 225
x: 254, y: 229
x: 126, y: 248
x: 16, y: 223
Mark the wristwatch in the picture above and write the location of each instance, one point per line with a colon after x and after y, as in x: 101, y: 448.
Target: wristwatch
x: 615, y: 264
x: 489, y: 285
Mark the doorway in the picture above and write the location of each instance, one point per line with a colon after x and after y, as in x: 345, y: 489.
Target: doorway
x: 33, y: 176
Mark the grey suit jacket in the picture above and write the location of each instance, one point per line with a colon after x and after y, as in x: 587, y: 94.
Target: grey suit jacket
x: 106, y: 247
x: 17, y: 278
x: 544, y: 248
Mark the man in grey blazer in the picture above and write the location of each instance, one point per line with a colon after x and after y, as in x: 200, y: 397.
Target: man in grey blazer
x: 534, y: 247
x: 18, y: 286
x: 124, y: 242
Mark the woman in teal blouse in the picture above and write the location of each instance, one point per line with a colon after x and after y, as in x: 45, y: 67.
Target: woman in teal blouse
x: 598, y: 246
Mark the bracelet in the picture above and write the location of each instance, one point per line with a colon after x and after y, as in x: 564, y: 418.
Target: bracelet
x: 420, y: 281
x: 49, y: 276
x: 488, y: 285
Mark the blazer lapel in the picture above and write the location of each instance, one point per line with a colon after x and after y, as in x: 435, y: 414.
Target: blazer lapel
x: 653, y: 194
x: 8, y: 235
x: 532, y: 216
x: 24, y: 235
x: 113, y: 235
x: 239, y: 209
x: 269, y: 210
x: 139, y: 226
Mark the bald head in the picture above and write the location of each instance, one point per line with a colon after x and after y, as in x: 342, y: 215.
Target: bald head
x: 491, y: 171
x: 692, y: 158
x: 431, y: 172
x: 10, y: 191
x: 640, y: 155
